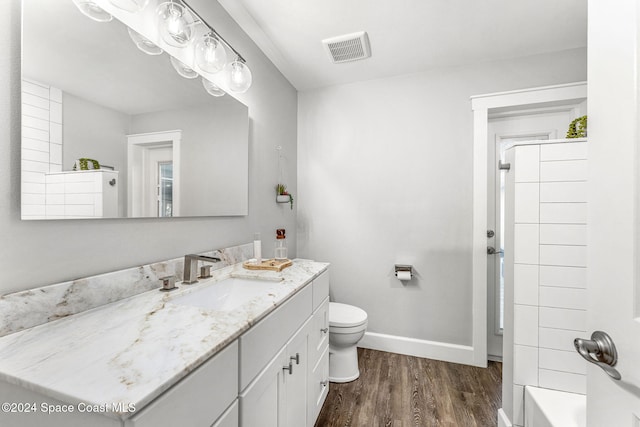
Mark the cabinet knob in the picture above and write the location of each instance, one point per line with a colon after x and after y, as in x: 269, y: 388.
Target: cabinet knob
x: 289, y: 368
x: 296, y: 358
x: 324, y: 330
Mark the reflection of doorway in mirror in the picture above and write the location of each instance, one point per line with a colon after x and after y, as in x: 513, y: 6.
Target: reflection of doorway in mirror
x: 153, y: 164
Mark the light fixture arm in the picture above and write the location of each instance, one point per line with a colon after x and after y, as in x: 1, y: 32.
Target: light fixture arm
x: 199, y: 18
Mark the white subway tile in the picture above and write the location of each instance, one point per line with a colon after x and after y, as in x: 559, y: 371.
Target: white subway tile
x: 36, y: 101
x: 78, y: 177
x: 35, y: 123
x: 563, y: 234
x: 55, y: 133
x: 563, y: 381
x: 32, y: 199
x: 55, y: 188
x: 55, y: 112
x: 55, y: 199
x: 55, y: 94
x: 79, y: 187
x: 527, y: 162
x: 79, y: 199
x: 79, y: 210
x: 34, y: 144
x: 41, y: 135
x: 563, y: 213
x: 31, y: 111
x: 526, y: 244
x: 571, y: 256
x: 556, y: 192
x: 564, y: 361
x: 525, y: 284
x: 564, y: 151
x: 54, y: 168
x: 562, y: 318
x: 31, y: 166
x: 569, y: 170
x: 36, y: 89
x: 563, y: 297
x: 55, y: 178
x: 97, y: 204
x: 33, y: 210
x: 35, y: 156
x: 55, y: 154
x: 558, y: 339
x: 526, y: 202
x: 525, y: 365
x: 33, y: 188
x: 57, y: 210
x: 34, y: 177
x: 570, y: 277
x: 525, y: 325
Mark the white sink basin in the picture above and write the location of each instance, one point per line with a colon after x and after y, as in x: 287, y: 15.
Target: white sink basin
x: 226, y: 294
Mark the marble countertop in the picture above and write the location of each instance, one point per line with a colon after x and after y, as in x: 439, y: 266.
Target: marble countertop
x: 133, y: 350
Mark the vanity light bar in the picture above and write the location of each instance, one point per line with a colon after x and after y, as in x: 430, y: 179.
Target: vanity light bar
x: 222, y: 39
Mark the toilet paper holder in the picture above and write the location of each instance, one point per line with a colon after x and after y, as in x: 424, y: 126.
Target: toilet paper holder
x: 404, y: 267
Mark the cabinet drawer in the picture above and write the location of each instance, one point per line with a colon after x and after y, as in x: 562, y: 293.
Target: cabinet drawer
x: 260, y: 343
x: 318, y: 388
x: 319, y: 333
x: 320, y: 289
x: 200, y: 398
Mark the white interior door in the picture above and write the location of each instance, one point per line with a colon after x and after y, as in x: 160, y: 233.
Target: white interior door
x: 614, y: 214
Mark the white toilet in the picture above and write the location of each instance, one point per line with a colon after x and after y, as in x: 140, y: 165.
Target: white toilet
x: 346, y: 327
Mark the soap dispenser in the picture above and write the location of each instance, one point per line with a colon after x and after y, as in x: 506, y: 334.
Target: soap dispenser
x: 281, y: 245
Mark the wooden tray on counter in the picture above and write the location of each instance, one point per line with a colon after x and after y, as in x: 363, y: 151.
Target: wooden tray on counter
x: 268, y: 264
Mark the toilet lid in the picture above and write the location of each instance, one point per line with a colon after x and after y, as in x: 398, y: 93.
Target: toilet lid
x: 345, y: 316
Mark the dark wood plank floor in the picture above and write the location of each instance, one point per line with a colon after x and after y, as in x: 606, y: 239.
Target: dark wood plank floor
x: 401, y: 391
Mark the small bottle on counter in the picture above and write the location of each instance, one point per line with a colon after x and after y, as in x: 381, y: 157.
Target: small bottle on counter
x: 257, y: 248
x: 281, y: 245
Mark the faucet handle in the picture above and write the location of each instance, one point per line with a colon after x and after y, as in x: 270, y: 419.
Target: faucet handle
x: 168, y: 283
x: 205, y: 271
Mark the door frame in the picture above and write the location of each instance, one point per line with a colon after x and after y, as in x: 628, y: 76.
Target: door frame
x: 482, y: 106
x: 135, y: 144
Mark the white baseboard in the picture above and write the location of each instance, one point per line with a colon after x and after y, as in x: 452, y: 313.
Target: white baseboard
x: 454, y: 353
x: 503, y: 420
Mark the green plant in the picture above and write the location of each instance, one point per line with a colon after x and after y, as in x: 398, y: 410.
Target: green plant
x: 578, y: 128
x: 281, y: 190
x: 84, y: 164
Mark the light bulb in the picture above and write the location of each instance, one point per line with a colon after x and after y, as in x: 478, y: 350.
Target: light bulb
x: 133, y: 6
x: 174, y: 24
x: 239, y: 76
x: 211, y: 88
x: 144, y: 44
x: 93, y: 11
x: 210, y: 54
x: 183, y: 69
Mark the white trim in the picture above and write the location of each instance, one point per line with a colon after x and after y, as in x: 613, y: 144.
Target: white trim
x: 481, y: 104
x: 454, y: 353
x: 151, y: 138
x: 503, y: 419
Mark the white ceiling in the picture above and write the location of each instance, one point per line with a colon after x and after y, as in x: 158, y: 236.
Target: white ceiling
x: 406, y: 36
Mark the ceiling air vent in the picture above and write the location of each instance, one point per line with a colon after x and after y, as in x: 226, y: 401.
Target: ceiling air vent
x: 350, y: 47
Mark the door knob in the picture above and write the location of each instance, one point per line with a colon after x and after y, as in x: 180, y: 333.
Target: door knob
x: 601, y: 351
x: 492, y: 251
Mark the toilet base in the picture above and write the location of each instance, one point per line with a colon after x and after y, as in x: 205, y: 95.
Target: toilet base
x: 343, y: 364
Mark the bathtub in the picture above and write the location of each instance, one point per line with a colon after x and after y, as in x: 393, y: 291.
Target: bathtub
x: 551, y: 408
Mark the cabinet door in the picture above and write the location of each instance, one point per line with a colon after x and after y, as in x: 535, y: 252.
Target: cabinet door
x: 295, y: 379
x: 261, y: 403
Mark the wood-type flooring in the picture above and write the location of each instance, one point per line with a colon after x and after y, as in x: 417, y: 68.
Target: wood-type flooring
x: 400, y: 391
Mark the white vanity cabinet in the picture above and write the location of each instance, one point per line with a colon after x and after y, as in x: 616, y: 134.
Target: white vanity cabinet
x: 285, y: 393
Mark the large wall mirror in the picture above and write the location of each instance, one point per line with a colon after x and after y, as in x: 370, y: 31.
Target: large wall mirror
x: 109, y: 132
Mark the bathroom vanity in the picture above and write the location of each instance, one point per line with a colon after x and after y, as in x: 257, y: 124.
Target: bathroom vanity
x: 244, y: 357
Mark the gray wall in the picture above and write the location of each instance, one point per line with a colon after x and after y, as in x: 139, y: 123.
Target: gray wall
x: 385, y: 177
x: 36, y: 253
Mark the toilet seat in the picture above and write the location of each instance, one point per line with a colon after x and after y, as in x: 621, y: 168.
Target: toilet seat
x: 346, y: 316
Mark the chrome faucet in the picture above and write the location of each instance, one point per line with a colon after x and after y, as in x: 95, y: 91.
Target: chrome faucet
x: 191, y: 267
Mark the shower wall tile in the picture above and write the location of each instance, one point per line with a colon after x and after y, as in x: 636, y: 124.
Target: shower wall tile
x: 571, y: 256
x: 562, y: 318
x: 525, y: 365
x: 563, y: 192
x: 525, y: 325
x: 525, y: 284
x: 563, y: 234
x: 556, y: 339
x: 570, y: 277
x: 563, y: 170
x: 565, y: 151
x: 563, y: 381
x: 527, y: 167
x: 527, y: 203
x: 564, y: 361
x: 526, y: 245
x: 563, y: 297
x: 563, y: 213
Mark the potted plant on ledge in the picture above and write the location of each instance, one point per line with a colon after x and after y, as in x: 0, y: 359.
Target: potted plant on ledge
x: 282, y: 195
